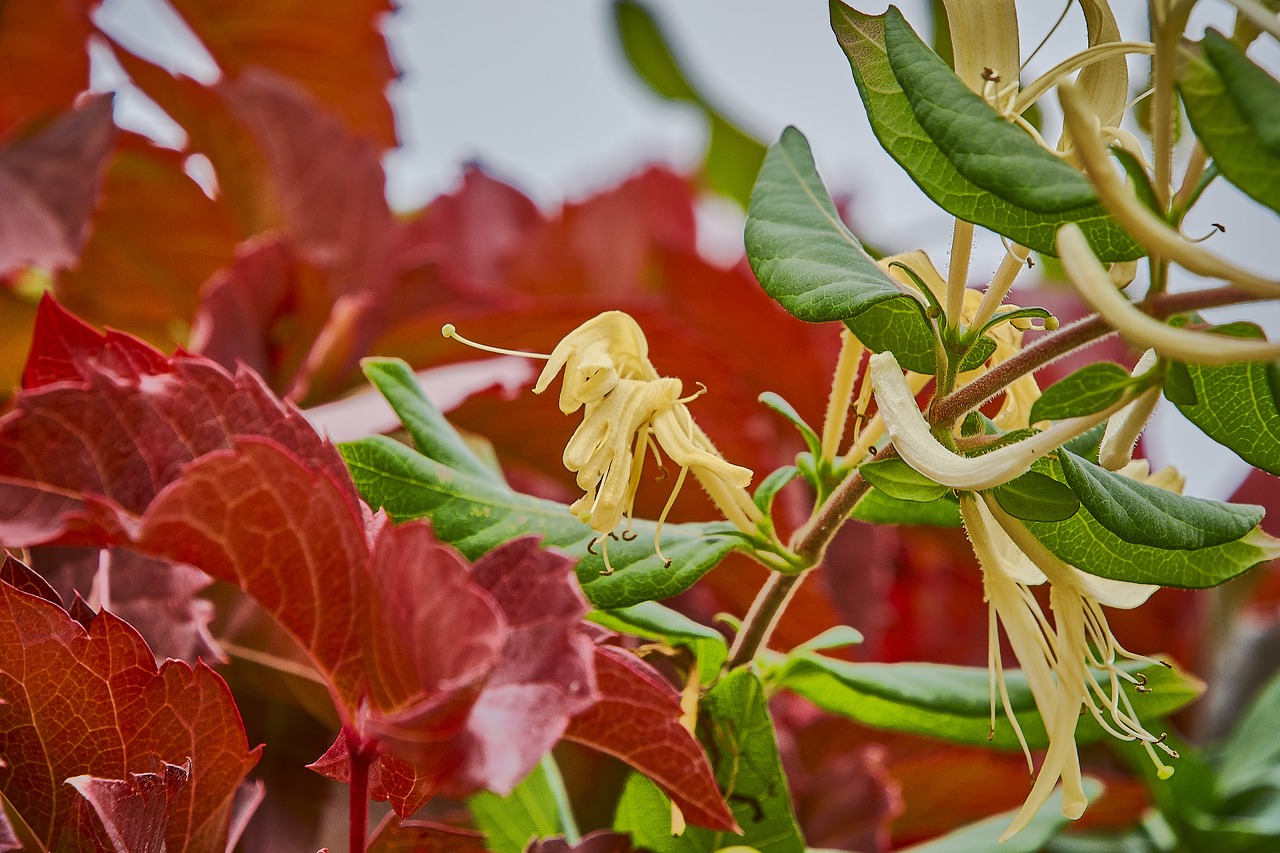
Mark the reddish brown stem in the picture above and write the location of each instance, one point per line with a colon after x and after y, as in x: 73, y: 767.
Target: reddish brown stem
x: 360, y: 754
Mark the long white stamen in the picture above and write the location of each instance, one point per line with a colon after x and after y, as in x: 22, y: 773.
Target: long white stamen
x: 448, y: 330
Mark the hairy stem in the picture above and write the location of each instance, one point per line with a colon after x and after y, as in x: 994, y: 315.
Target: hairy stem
x: 809, y: 543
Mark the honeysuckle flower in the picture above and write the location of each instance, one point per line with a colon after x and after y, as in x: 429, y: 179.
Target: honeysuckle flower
x: 1069, y: 664
x: 984, y: 38
x: 1143, y: 330
x: 1023, y: 391
x: 1147, y: 228
x: 1124, y: 427
x: 917, y: 445
x: 629, y: 410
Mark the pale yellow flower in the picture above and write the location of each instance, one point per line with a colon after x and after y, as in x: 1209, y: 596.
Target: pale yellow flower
x: 629, y: 410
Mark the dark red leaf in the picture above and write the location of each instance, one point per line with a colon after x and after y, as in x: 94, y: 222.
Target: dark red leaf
x: 343, y: 61
x: 638, y: 720
x: 125, y: 430
x: 157, y: 598
x: 125, y: 815
x: 156, y: 238
x: 93, y: 703
x: 50, y: 185
x: 419, y: 836
x: 266, y: 310
x: 21, y: 578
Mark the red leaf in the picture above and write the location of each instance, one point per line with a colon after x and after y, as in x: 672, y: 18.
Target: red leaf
x: 93, y: 703
x: 124, y: 430
x: 125, y: 815
x: 290, y: 536
x: 44, y: 62
x: 154, y: 272
x: 419, y: 836
x: 638, y: 720
x: 157, y: 598
x: 266, y: 310
x: 50, y: 184
x: 343, y: 61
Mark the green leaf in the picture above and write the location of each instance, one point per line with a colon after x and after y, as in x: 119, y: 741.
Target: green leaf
x: 1090, y: 389
x: 782, y: 407
x: 653, y: 621
x: 878, y: 508
x: 808, y: 261
x: 984, y: 836
x: 735, y: 727
x: 476, y: 515
x: 733, y: 156
x: 835, y: 637
x: 1230, y: 135
x: 979, y: 351
x: 899, y: 480
x: 1084, y: 542
x: 528, y: 812
x: 1148, y: 515
x: 862, y: 37
x: 952, y: 703
x: 1255, y: 92
x: 771, y: 485
x: 1036, y: 497
x: 994, y: 154
x: 431, y: 433
x: 1234, y: 404
x: 1250, y: 755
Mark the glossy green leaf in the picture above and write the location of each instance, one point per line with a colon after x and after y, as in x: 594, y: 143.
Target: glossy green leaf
x: 808, y: 261
x: 1235, y: 405
x: 476, y: 515
x: 862, y: 37
x: 984, y: 836
x: 1037, y: 497
x: 1084, y: 542
x: 899, y: 480
x: 733, y: 156
x: 528, y: 812
x: 879, y: 508
x: 1148, y: 515
x: 952, y: 703
x: 979, y: 352
x: 835, y: 637
x: 1255, y: 92
x: 983, y: 147
x: 735, y: 727
x: 653, y: 621
x: 1227, y: 133
x: 434, y: 436
x: 1090, y: 389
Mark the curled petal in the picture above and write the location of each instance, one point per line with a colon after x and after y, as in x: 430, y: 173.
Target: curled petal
x: 1116, y: 449
x: 1142, y: 330
x: 984, y: 35
x: 594, y: 356
x: 918, y: 447
x: 1144, y: 225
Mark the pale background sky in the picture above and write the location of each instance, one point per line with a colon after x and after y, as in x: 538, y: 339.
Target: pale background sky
x: 540, y: 95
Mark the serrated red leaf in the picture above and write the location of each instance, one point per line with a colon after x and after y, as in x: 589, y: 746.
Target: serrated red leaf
x: 343, y: 61
x: 124, y: 815
x: 638, y: 720
x: 157, y: 598
x: 92, y: 702
x: 125, y: 429
x: 44, y: 60
x: 464, y: 676
x: 50, y: 183
x: 156, y: 238
x: 419, y: 836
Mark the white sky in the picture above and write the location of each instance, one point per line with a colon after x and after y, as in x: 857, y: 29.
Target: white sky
x: 539, y: 94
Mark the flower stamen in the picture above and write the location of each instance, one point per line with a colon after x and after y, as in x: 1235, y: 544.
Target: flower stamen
x: 448, y: 330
